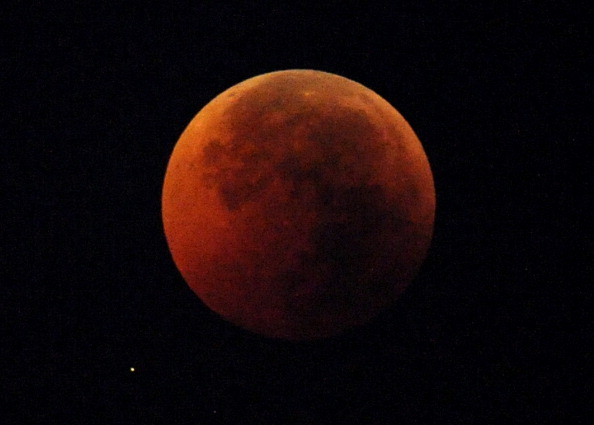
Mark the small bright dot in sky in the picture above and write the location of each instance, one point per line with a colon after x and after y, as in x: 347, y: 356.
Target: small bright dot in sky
x: 132, y: 369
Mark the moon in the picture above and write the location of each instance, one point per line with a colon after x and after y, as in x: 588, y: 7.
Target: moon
x: 298, y: 204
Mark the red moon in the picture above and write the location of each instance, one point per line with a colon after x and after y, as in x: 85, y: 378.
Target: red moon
x: 298, y: 204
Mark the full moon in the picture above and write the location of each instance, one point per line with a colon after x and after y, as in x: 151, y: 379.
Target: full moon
x: 298, y: 204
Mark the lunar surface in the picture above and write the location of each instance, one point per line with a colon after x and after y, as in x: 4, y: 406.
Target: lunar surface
x: 298, y: 204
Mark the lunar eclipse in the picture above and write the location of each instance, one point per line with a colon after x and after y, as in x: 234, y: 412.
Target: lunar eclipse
x: 298, y: 204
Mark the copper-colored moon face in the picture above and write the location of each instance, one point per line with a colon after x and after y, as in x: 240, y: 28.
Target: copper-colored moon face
x: 298, y: 204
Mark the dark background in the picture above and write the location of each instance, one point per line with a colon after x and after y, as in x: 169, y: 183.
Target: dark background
x: 493, y: 329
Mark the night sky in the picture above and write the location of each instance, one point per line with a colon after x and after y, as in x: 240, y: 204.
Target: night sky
x: 495, y: 326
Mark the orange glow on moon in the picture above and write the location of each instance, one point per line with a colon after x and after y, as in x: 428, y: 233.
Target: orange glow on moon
x: 298, y: 204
